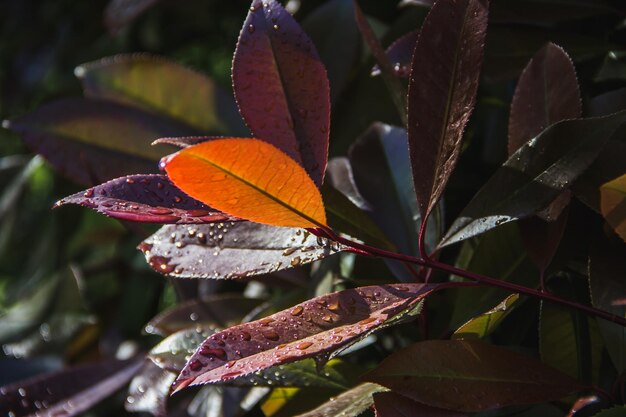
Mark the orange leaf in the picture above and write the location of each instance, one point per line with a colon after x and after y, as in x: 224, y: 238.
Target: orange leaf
x: 250, y: 179
x: 613, y: 204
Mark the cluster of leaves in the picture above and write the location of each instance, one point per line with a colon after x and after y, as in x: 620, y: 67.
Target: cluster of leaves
x: 287, y: 236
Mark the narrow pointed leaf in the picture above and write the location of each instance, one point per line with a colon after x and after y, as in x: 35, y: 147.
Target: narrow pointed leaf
x: 158, y: 85
x: 542, y: 238
x: 399, y: 54
x: 351, y: 403
x: 67, y: 392
x: 390, y: 404
x: 250, y: 179
x: 281, y: 86
x: 231, y: 250
x: 613, y: 204
x: 442, y: 90
x: 172, y: 352
x: 316, y: 328
x: 534, y: 175
x: 93, y: 141
x: 146, y: 199
x: 469, y: 376
x: 484, y: 324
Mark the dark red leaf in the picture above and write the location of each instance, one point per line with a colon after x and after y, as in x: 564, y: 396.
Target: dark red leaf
x: 281, y: 86
x: 316, y: 328
x: 442, y: 90
x: 350, y: 403
x: 146, y: 199
x: 232, y: 250
x: 399, y: 54
x: 542, y: 238
x: 390, y: 404
x: 68, y: 392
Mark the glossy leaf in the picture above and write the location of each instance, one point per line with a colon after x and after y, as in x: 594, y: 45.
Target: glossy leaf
x: 93, y: 141
x: 613, y: 204
x: 164, y: 87
x: 149, y: 390
x: 484, y: 324
x: 68, y: 392
x: 442, y: 90
x: 390, y: 404
x: 231, y: 250
x: 469, y: 376
x: 146, y: 199
x: 534, y: 175
x: 281, y: 86
x: 317, y: 328
x: 172, y: 352
x: 351, y: 403
x: 399, y: 54
x: 250, y: 179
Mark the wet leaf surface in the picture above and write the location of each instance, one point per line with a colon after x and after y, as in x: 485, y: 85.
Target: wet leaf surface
x: 232, y: 250
x: 92, y: 141
x: 146, y: 199
x: 68, y: 392
x: 351, y: 403
x: 281, y: 86
x: 172, y: 352
x: 534, y: 175
x: 155, y: 84
x: 316, y: 328
x: 469, y: 376
x: 250, y: 179
x: 149, y: 390
x: 442, y: 91
x: 399, y: 54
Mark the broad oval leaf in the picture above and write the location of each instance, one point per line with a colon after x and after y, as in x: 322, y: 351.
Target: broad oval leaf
x: 442, y: 91
x: 92, y: 141
x: 68, y: 392
x: 317, y: 328
x: 613, y: 204
x: 469, y: 376
x: 146, y: 199
x: 390, y: 404
x: 232, y: 250
x: 350, y: 403
x: 534, y: 175
x: 281, y: 86
x: 250, y: 179
x: 158, y: 85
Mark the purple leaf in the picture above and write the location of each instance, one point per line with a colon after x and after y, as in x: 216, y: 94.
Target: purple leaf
x: 232, y: 250
x: 149, y: 390
x: 120, y: 13
x: 442, y: 91
x: 146, y: 199
x: 172, y: 352
x: 390, y: 404
x: 68, y: 392
x: 281, y: 86
x: 399, y: 54
x: 316, y: 328
x: 92, y: 141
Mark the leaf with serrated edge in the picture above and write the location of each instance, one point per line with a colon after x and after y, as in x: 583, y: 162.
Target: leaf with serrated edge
x: 232, y: 250
x: 66, y: 392
x: 534, y: 175
x: 470, y: 376
x: 250, y: 179
x: 351, y: 403
x: 145, y: 199
x: 317, y: 328
x: 613, y: 204
x: 442, y: 91
x: 281, y: 86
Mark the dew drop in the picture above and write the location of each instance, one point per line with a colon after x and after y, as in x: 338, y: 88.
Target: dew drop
x: 230, y: 364
x: 271, y: 335
x: 327, y: 319
x: 88, y: 193
x: 304, y: 345
x: 266, y: 321
x: 195, y: 365
x: 245, y: 336
x: 334, y: 306
x: 212, y: 352
x: 289, y: 251
x: 296, y: 261
x: 297, y: 310
x: 251, y: 27
x: 130, y: 181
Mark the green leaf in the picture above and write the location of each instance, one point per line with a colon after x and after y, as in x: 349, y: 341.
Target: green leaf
x: 484, y: 324
x: 351, y: 403
x: 618, y: 411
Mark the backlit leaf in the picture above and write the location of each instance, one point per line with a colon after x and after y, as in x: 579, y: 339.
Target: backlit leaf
x: 250, y: 179
x: 68, y: 392
x: 93, y: 141
x: 534, y: 175
x: 351, y: 403
x: 232, y: 250
x: 399, y: 54
x: 442, y: 90
x: 147, y: 199
x: 158, y: 85
x: 281, y: 86
x: 469, y: 376
x: 172, y: 352
x: 317, y: 328
x: 149, y: 390
x: 484, y: 324
x: 613, y: 204
x: 390, y: 404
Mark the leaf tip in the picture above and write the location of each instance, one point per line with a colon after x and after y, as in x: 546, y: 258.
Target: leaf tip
x: 179, y: 385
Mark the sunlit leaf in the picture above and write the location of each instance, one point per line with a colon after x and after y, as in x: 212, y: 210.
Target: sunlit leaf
x: 484, y: 324
x: 442, y: 90
x: 149, y: 390
x: 351, y: 403
x: 469, y: 376
x: 158, y: 85
x: 92, y: 141
x: 317, y: 328
x: 172, y: 352
x: 281, y: 86
x: 68, y: 392
x: 232, y: 250
x: 534, y: 175
x: 146, y: 199
x: 250, y: 179
x: 613, y: 204
x: 390, y: 404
